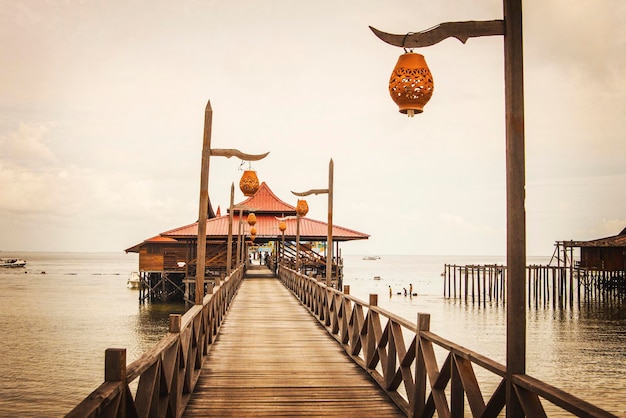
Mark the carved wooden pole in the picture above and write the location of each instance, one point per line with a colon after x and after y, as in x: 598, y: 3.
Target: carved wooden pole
x: 515, y: 192
x: 511, y: 29
x: 329, y: 238
x: 329, y: 250
x: 229, y: 244
x: 203, y: 211
x: 239, y: 237
x: 298, y: 242
x: 204, y: 204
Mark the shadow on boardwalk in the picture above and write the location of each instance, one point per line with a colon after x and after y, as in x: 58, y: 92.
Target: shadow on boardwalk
x: 272, y: 358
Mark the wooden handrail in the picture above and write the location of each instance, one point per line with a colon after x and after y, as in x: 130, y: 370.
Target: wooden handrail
x: 400, y: 357
x: 166, y: 374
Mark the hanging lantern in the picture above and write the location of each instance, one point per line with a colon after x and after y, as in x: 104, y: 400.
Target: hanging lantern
x: 249, y: 183
x: 411, y: 83
x: 253, y: 231
x: 282, y: 225
x: 251, y: 219
x: 302, y: 208
x: 252, y: 237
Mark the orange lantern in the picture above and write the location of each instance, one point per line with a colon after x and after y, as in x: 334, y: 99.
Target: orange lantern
x: 302, y: 208
x: 251, y: 219
x: 411, y: 84
x: 249, y: 183
x: 253, y: 231
x: 282, y: 225
x: 252, y: 238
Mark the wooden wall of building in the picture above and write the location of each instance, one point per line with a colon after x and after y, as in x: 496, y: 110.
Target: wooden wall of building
x: 603, y: 258
x: 163, y: 257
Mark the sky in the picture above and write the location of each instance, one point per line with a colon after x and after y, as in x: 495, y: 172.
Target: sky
x: 102, y: 111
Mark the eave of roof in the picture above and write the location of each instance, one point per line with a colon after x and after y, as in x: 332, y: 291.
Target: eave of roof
x: 155, y: 239
x: 612, y: 241
x: 266, y: 228
x: 267, y: 207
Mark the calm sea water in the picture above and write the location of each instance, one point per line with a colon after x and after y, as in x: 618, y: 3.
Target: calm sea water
x: 580, y: 349
x: 56, y: 327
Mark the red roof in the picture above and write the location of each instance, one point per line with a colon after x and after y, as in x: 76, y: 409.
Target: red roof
x: 264, y: 200
x: 267, y: 229
x: 267, y: 207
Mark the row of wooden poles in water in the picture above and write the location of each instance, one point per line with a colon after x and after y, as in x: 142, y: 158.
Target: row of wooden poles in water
x: 558, y: 285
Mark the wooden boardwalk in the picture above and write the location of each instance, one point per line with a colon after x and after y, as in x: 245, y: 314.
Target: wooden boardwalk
x: 272, y: 358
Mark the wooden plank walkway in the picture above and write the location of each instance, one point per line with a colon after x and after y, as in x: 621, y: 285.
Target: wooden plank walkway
x: 272, y: 358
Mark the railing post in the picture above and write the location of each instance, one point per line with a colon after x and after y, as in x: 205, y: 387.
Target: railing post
x: 115, y: 371
x: 370, y: 343
x: 115, y: 364
x: 175, y: 323
x: 419, y: 397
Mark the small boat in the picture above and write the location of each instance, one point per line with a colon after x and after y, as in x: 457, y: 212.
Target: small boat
x: 376, y: 277
x: 133, y: 281
x: 371, y: 257
x: 12, y: 262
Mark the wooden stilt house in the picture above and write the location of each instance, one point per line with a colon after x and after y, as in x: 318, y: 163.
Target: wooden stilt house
x: 601, y: 263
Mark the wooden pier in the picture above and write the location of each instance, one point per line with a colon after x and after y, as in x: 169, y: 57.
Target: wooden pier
x: 292, y: 346
x: 272, y: 358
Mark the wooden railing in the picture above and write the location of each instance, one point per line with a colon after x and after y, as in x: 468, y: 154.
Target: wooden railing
x: 161, y: 381
x: 401, y: 357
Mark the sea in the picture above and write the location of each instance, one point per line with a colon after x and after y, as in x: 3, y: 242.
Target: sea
x: 63, y: 310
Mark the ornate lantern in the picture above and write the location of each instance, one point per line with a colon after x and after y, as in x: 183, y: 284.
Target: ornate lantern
x: 249, y: 183
x: 282, y: 225
x: 302, y: 208
x: 252, y: 237
x: 411, y: 83
x: 251, y: 219
x: 253, y: 231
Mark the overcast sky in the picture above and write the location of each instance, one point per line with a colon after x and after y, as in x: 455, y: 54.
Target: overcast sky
x: 102, y: 111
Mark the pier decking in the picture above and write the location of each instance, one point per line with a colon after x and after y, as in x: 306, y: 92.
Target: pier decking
x: 272, y: 358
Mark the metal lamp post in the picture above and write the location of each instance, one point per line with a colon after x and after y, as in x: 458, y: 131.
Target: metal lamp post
x: 207, y: 153
x: 511, y: 28
x: 329, y: 240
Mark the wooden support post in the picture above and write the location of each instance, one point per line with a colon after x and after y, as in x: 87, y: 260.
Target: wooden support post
x: 346, y: 289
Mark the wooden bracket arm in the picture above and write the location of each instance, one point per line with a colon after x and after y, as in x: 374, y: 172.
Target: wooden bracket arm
x: 459, y: 30
x: 309, y: 192
x: 236, y: 153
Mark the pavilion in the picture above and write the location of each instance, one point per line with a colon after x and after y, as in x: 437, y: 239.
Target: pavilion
x: 167, y: 261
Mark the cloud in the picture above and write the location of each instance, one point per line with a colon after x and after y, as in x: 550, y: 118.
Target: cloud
x: 26, y: 147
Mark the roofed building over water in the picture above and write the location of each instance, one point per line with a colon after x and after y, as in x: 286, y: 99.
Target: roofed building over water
x: 167, y: 261
x: 599, y: 264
